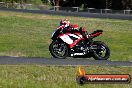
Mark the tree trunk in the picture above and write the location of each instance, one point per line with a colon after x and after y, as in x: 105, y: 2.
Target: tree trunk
x: 57, y: 5
x: 22, y: 4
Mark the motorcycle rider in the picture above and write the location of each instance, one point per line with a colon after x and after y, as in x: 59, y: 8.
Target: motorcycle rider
x: 66, y: 41
x: 65, y: 26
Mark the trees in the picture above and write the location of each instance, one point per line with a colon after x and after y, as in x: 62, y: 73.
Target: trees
x: 36, y: 2
x: 117, y: 5
x: 55, y: 2
x: 127, y: 4
x: 98, y: 4
x: 45, y: 1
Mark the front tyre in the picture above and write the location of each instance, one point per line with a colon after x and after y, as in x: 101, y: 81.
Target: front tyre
x: 101, y: 51
x: 58, y: 49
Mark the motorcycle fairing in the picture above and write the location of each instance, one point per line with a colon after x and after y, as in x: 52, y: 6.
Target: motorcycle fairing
x: 75, y: 42
x: 66, y: 38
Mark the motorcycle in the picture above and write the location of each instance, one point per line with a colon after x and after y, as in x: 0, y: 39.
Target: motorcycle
x: 78, y: 43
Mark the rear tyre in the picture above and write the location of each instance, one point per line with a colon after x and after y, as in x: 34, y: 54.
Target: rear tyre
x: 58, y: 49
x: 102, y: 51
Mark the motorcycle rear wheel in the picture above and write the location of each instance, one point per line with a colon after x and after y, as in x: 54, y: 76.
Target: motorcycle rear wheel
x: 102, y: 52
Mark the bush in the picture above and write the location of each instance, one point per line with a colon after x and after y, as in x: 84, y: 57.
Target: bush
x: 36, y: 2
x: 45, y: 1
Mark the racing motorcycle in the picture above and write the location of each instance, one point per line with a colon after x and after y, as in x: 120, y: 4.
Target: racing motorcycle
x: 77, y: 43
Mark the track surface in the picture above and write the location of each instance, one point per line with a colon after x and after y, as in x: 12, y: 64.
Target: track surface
x: 5, y: 60
x: 78, y: 14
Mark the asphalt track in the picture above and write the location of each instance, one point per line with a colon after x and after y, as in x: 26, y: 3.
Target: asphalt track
x: 7, y: 60
x: 77, y: 14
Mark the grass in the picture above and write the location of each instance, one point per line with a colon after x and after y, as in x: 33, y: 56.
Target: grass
x: 28, y: 35
x: 37, y: 76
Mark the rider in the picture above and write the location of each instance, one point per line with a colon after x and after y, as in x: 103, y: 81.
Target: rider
x: 66, y: 26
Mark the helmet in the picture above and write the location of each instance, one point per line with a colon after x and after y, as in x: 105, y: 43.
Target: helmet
x: 65, y: 22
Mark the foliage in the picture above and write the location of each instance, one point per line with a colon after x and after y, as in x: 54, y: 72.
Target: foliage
x: 98, y: 4
x: 127, y: 4
x: 36, y: 2
x: 45, y: 1
x: 9, y: 1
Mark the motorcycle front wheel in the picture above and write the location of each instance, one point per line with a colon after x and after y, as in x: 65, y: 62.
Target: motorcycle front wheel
x: 58, y: 49
x: 101, y: 51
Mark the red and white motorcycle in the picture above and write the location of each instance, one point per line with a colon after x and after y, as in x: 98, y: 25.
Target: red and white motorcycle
x: 76, y: 43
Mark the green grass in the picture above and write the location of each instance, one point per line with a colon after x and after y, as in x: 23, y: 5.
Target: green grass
x: 28, y: 35
x: 37, y: 76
